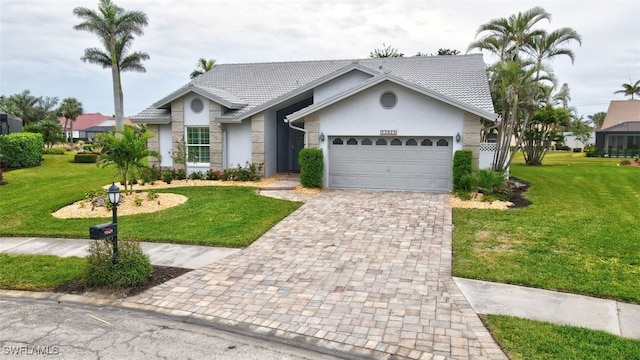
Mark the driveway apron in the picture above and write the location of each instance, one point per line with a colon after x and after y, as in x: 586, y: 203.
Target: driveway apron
x: 365, y: 274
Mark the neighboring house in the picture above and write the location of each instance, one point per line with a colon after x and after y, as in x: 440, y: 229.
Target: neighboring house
x: 9, y: 124
x: 104, y: 127
x: 82, y: 123
x: 385, y: 123
x: 621, y: 127
x: 572, y: 141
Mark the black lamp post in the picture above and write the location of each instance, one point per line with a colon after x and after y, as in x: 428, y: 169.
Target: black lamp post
x: 114, y: 199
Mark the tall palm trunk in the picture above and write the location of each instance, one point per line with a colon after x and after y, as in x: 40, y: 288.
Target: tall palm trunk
x: 117, y: 91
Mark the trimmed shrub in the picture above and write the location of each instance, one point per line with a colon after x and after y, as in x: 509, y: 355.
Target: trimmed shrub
x: 85, y: 158
x: 214, y: 174
x: 55, y: 151
x: 196, y: 175
x: 311, y: 167
x: 462, y: 170
x: 133, y: 266
x: 21, y: 149
x: 577, y: 150
x: 250, y: 172
x: 149, y: 174
x: 591, y: 151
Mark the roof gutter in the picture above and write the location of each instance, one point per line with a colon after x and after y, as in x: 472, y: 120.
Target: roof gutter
x: 306, y: 133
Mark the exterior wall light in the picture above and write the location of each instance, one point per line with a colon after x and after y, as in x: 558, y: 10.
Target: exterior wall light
x: 321, y: 137
x: 458, y: 137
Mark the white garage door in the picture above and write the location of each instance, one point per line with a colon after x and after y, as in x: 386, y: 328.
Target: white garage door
x: 402, y: 163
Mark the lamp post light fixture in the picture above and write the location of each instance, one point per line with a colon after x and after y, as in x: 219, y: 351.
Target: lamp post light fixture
x: 114, y: 199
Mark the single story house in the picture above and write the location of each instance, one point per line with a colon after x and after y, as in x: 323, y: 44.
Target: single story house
x: 9, y: 124
x: 621, y: 127
x: 104, y: 127
x: 82, y: 123
x: 382, y: 123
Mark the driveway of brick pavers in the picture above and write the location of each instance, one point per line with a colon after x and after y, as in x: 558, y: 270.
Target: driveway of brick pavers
x: 364, y: 273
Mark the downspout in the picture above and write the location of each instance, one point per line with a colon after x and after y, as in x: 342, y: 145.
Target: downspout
x: 306, y: 133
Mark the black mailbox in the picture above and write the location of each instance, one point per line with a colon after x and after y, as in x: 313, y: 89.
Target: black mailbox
x: 103, y: 231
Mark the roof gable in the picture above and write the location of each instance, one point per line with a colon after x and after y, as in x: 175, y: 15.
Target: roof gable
x: 388, y: 77
x: 621, y: 111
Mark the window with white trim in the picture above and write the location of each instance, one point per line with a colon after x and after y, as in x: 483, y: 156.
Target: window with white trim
x: 198, y: 144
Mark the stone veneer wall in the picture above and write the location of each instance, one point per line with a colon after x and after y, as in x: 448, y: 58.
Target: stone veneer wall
x: 215, y: 137
x: 153, y: 143
x: 311, y: 125
x: 177, y: 124
x: 471, y: 135
x: 257, y: 139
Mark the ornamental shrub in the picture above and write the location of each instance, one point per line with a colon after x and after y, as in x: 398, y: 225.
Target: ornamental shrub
x: 85, y: 158
x: 133, y: 266
x: 462, y: 170
x: 21, y: 149
x: 311, y: 167
x: 490, y: 181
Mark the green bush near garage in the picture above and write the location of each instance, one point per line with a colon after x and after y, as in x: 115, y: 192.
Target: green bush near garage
x: 462, y: 170
x: 311, y: 166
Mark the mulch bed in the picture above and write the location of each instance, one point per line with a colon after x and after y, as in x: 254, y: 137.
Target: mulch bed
x: 517, y: 187
x: 160, y: 275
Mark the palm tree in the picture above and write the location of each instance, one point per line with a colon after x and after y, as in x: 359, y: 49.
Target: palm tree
x: 126, y: 152
x: 628, y: 89
x: 546, y: 46
x: 385, y: 52
x: 70, y: 109
x: 202, y: 67
x: 506, y: 37
x: 24, y: 105
x: 114, y: 26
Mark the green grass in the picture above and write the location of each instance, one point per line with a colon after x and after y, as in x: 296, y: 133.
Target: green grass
x: 38, y: 272
x: 215, y: 216
x: 532, y: 340
x: 581, y: 235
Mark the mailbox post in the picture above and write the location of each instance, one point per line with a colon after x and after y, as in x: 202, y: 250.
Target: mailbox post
x: 109, y: 230
x: 114, y: 198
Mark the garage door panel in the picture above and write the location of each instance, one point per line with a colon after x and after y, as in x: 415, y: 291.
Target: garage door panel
x: 385, y: 166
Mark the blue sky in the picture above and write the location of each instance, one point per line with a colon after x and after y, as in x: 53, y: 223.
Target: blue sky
x: 40, y: 51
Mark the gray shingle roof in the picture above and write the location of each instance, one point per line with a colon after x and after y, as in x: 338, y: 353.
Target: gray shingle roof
x: 252, y: 86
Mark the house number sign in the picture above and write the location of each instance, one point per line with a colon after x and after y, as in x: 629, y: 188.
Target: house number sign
x: 388, y: 132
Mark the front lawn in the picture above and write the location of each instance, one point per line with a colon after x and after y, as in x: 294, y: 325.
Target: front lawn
x: 38, y: 272
x: 216, y: 216
x: 581, y: 235
x: 527, y: 339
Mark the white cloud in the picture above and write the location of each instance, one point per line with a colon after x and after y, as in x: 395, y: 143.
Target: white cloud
x: 40, y: 51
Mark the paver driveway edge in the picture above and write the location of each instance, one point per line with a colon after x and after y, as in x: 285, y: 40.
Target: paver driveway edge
x: 365, y: 274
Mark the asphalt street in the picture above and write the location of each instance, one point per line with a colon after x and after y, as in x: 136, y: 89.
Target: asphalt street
x: 36, y: 328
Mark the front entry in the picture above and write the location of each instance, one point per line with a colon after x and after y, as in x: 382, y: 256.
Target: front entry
x: 290, y: 141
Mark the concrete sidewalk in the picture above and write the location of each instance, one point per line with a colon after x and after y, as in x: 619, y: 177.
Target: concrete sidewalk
x: 614, y: 317
x: 161, y: 254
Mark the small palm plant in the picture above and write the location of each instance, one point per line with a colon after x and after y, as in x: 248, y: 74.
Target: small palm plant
x: 126, y: 150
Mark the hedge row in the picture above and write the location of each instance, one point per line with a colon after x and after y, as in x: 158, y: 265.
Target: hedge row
x: 21, y: 149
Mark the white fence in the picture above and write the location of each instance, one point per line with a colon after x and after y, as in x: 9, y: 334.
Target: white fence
x: 487, y: 152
